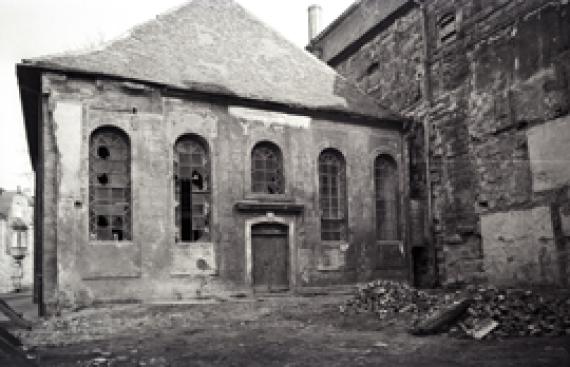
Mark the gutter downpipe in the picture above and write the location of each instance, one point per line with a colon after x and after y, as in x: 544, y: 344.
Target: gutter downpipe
x: 428, y: 99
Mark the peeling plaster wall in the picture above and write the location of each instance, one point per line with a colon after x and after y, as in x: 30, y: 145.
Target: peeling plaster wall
x: 152, y: 265
x: 494, y: 103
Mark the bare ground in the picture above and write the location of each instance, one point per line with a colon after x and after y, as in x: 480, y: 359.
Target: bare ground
x: 277, y: 331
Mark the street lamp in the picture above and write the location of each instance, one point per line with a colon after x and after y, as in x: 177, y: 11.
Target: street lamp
x: 19, y: 250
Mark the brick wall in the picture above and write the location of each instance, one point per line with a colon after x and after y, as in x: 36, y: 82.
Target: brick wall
x: 479, y: 76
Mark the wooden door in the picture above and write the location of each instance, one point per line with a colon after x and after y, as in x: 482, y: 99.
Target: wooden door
x: 270, y: 253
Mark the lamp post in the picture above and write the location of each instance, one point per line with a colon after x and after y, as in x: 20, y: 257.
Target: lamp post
x: 19, y: 250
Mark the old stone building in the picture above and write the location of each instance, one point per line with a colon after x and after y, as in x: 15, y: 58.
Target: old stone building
x: 204, y: 154
x: 487, y: 82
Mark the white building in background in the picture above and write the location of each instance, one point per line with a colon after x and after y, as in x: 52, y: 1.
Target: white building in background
x: 16, y: 240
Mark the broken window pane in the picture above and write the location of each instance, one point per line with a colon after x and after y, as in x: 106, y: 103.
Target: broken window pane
x: 109, y: 185
x: 267, y: 169
x: 332, y: 190
x: 192, y: 189
x: 387, y: 198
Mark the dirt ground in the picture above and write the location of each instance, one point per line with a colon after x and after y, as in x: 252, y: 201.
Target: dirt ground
x: 275, y: 331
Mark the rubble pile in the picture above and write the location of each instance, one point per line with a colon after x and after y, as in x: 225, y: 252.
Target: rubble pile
x: 387, y: 298
x: 518, y: 312
x: 487, y: 312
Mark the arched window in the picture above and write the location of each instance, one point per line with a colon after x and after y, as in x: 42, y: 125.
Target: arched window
x: 267, y: 169
x: 109, y: 185
x: 332, y: 193
x: 387, y: 198
x: 192, y: 189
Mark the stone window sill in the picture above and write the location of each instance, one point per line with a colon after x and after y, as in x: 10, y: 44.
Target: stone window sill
x: 111, y: 243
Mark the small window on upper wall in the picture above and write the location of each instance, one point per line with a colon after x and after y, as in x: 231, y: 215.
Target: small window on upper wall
x: 267, y: 169
x: 446, y: 28
x: 109, y: 185
x: 192, y: 189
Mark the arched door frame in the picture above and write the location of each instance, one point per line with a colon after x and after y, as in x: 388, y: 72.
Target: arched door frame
x: 271, y: 218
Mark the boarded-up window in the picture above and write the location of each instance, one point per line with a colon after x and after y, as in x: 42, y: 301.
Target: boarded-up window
x: 267, y: 169
x: 192, y: 189
x: 332, y: 194
x: 387, y: 198
x: 109, y: 185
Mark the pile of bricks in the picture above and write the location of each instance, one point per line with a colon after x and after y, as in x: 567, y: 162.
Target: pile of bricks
x: 387, y: 298
x: 517, y: 312
x: 491, y: 312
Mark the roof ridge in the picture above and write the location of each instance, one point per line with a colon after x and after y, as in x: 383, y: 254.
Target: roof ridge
x: 221, y: 45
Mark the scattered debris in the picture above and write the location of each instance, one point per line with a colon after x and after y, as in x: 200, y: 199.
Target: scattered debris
x: 442, y: 319
x: 481, y: 329
x: 476, y: 312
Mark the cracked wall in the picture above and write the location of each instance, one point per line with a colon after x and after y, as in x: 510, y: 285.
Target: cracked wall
x: 494, y: 99
x: 153, y: 265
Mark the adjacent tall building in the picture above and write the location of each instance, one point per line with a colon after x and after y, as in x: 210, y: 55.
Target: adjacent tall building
x: 487, y: 82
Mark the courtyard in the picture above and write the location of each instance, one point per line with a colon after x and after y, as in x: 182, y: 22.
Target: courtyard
x: 265, y: 331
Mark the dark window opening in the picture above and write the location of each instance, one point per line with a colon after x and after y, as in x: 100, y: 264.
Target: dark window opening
x: 103, y: 152
x: 191, y: 189
x: 103, y: 179
x: 372, y: 68
x: 387, y: 198
x: 267, y: 169
x: 102, y: 221
x: 117, y: 234
x: 197, y: 181
x: 186, y: 210
x: 332, y: 195
x: 109, y: 185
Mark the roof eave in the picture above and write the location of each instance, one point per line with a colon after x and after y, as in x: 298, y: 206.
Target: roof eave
x: 29, y: 83
x: 208, y: 92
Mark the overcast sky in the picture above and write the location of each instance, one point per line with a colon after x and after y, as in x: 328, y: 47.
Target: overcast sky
x: 31, y: 28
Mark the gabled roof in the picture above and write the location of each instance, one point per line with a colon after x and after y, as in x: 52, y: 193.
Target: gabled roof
x: 217, y: 46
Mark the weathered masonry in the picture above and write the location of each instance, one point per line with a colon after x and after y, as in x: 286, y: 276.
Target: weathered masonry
x: 488, y: 83
x: 203, y: 154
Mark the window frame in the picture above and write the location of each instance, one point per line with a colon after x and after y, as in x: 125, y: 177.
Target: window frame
x: 97, y: 208
x: 397, y: 197
x: 338, y: 184
x: 204, y: 171
x: 276, y: 150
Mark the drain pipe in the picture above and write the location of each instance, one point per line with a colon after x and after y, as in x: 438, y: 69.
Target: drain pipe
x: 428, y: 100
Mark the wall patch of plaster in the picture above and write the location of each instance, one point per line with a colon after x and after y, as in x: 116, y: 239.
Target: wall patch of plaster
x: 67, y: 118
x: 549, y: 154
x: 193, y: 259
x: 519, y: 247
x: 269, y: 118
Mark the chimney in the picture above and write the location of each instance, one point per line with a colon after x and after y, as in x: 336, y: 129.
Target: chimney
x: 314, y: 21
